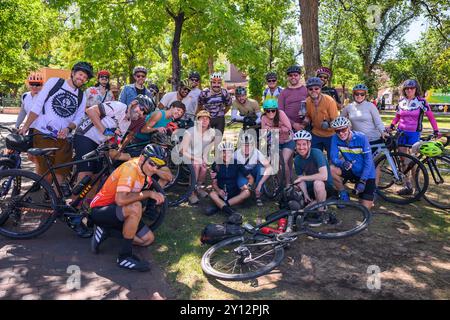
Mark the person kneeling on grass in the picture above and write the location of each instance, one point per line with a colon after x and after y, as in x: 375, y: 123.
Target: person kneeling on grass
x: 311, y: 166
x: 225, y: 178
x: 118, y: 206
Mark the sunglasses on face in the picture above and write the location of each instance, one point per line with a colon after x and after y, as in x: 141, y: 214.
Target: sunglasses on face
x: 271, y: 110
x: 186, y: 89
x: 314, y: 89
x: 272, y: 80
x: 293, y: 75
x: 139, y: 76
x: 359, y: 94
x: 412, y: 88
x: 194, y: 80
x: 35, y: 85
x: 339, y: 131
x: 104, y: 77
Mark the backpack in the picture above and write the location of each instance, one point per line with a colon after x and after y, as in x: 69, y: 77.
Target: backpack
x: 102, y: 106
x: 58, y: 85
x: 214, y: 233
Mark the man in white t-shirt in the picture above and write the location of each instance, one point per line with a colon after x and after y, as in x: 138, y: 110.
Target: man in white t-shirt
x: 181, y: 95
x: 57, y: 110
x: 194, y: 78
x: 254, y: 162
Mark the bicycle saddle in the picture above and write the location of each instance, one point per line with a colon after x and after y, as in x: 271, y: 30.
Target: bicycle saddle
x: 42, y: 152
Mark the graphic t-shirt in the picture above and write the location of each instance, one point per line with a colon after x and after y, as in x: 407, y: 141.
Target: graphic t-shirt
x: 60, y: 109
x: 126, y: 178
x: 94, y: 96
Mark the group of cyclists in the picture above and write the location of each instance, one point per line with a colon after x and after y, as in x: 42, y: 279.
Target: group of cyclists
x: 305, y: 120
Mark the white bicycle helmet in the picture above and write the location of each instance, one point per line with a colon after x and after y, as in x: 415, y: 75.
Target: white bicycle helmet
x: 340, y: 122
x: 302, y: 135
x: 226, y: 146
x: 216, y: 76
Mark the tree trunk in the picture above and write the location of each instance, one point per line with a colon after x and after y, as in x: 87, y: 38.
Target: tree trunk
x: 176, y: 62
x: 309, y: 21
x: 210, y: 65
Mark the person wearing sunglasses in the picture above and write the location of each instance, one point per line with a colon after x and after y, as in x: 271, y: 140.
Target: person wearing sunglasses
x: 244, y: 109
x: 101, y: 91
x: 408, y: 119
x: 321, y: 109
x: 290, y: 99
x: 273, y: 90
x: 194, y: 78
x: 351, y: 158
x: 275, y: 119
x: 325, y: 74
x: 182, y: 94
x: 119, y: 206
x: 216, y: 100
x: 35, y: 83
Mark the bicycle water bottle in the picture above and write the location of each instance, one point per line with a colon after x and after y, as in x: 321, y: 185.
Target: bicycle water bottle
x: 282, y: 224
x: 225, y: 198
x: 269, y: 230
x: 302, y: 110
x: 80, y: 186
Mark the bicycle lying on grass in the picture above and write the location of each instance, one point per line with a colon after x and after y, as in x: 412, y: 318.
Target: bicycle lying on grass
x: 29, y: 205
x: 256, y: 253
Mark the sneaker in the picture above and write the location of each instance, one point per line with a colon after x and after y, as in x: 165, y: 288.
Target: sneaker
x: 406, y: 191
x: 259, y: 203
x: 100, y: 235
x: 201, y: 192
x: 133, y: 263
x: 228, y: 210
x: 193, y: 199
x: 83, y: 231
x: 211, y: 210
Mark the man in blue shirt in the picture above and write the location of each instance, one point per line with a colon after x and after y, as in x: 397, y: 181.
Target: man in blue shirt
x: 312, y: 169
x: 356, y: 164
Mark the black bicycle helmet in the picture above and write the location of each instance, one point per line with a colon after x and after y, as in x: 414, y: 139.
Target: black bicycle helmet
x: 294, y: 69
x: 240, y: 91
x: 153, y: 87
x: 85, y: 67
x: 147, y: 102
x: 156, y: 153
x: 194, y: 75
x: 313, y: 82
x: 271, y: 75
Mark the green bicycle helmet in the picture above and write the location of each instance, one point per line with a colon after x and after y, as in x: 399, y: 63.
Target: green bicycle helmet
x: 270, y: 104
x: 431, y: 148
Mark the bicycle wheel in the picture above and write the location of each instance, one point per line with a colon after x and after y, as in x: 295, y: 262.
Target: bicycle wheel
x: 438, y: 192
x: 25, y: 214
x: 6, y: 164
x: 407, y: 167
x: 241, y: 258
x: 271, y: 188
x: 176, y: 192
x: 334, y: 219
x: 153, y: 216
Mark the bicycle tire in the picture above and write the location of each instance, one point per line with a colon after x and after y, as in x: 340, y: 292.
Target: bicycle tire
x: 45, y: 187
x: 6, y: 164
x: 271, y: 187
x: 428, y: 196
x: 390, y: 195
x: 209, y: 267
x: 338, y: 230
x: 154, y: 219
x: 175, y: 199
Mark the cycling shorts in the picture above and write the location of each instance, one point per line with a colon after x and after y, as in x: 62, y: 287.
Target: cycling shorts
x: 83, y: 145
x: 408, y: 138
x: 369, y: 191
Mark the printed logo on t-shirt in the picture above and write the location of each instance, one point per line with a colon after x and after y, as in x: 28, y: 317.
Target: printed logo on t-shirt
x: 64, y: 104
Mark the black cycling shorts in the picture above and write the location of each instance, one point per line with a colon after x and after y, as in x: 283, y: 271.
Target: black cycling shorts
x: 82, y: 146
x: 112, y: 217
x: 369, y: 191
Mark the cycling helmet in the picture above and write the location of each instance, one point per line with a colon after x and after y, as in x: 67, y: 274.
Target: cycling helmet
x: 240, y: 91
x: 155, y: 153
x: 226, y: 146
x: 410, y: 83
x: 194, y: 75
x: 324, y: 70
x: 139, y: 69
x: 147, y: 102
x: 294, y: 69
x: 340, y: 122
x: 185, y: 84
x: 217, y: 76
x: 271, y: 75
x: 361, y: 87
x: 103, y: 73
x: 171, y: 127
x: 270, y: 104
x: 85, y: 67
x: 430, y: 149
x: 203, y: 113
x: 314, y: 82
x: 35, y: 78
x: 302, y: 135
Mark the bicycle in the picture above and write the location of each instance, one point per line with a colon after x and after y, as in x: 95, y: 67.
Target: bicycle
x: 23, y: 214
x: 438, y: 191
x: 256, y: 253
x: 10, y: 157
x: 176, y: 191
x: 394, y: 169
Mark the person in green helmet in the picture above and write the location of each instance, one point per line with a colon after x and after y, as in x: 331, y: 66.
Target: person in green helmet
x: 274, y: 119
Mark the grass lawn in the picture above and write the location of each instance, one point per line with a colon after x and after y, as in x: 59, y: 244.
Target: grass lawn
x: 178, y: 249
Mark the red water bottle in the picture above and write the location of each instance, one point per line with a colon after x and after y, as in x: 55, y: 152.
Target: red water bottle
x: 269, y: 230
x: 282, y: 224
